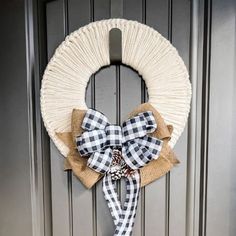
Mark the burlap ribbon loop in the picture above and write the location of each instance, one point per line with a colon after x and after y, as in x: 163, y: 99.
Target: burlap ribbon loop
x: 149, y: 173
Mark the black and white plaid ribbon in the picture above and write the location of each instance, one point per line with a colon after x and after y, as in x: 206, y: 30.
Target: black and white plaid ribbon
x: 100, y: 138
x: 123, y: 217
x: 98, y: 142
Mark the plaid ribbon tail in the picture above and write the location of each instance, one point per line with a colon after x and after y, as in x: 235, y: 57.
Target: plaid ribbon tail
x: 111, y: 196
x: 100, y: 139
x: 123, y: 218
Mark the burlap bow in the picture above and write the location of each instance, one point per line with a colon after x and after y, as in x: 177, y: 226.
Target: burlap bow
x: 150, y: 172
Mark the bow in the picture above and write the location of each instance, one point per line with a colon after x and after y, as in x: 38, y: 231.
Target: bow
x: 101, y: 137
x: 118, y: 151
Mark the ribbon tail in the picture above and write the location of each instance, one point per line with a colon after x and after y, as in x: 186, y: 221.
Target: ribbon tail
x: 111, y: 196
x: 126, y: 222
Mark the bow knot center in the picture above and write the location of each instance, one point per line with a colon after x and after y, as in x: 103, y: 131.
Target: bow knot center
x: 113, y: 135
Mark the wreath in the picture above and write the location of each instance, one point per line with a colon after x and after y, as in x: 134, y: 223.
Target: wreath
x: 139, y: 150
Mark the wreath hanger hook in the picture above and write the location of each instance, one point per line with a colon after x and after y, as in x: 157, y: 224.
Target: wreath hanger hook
x: 115, y: 34
x: 115, y: 46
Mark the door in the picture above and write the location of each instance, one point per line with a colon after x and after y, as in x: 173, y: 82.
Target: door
x: 198, y: 197
x: 116, y: 91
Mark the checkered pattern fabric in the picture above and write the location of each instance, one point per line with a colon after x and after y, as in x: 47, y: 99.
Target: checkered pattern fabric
x: 114, y: 135
x: 100, y: 138
x: 123, y: 217
x: 111, y: 196
x: 94, y: 120
x: 138, y: 126
x: 100, y: 161
x: 137, y: 153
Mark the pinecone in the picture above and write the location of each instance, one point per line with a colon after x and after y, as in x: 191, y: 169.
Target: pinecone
x: 118, y: 167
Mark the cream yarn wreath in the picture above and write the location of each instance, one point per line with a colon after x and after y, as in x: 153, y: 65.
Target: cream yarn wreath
x: 86, y: 50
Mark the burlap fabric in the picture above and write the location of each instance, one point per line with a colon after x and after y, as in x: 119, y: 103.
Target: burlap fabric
x: 152, y: 171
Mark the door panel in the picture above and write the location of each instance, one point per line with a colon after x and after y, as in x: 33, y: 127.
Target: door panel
x: 221, y: 192
x: 60, y: 181
x: 156, y: 215
x: 130, y: 96
x: 177, y: 207
x: 116, y: 91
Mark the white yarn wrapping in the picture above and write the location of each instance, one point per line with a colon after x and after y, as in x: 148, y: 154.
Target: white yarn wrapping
x: 86, y: 50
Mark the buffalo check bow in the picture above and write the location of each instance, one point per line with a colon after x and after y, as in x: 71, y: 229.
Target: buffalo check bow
x: 101, y: 139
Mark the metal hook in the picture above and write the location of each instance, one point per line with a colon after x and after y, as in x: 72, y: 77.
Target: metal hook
x: 115, y: 34
x: 115, y: 45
